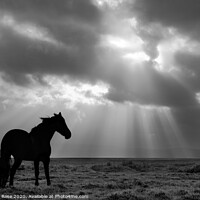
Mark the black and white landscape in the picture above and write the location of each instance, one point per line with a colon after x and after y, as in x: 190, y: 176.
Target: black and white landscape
x: 125, y: 74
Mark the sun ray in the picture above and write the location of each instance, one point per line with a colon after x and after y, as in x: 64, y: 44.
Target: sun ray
x: 181, y: 142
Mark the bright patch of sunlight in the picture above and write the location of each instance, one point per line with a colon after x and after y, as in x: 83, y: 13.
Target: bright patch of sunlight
x: 166, y: 51
x: 197, y: 95
x: 97, y: 90
x: 133, y: 43
x: 59, y: 90
x: 137, y: 57
x: 77, y: 92
x: 133, y: 22
x: 111, y: 3
x: 115, y: 42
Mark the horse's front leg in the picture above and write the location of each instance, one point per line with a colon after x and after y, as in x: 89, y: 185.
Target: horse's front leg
x: 36, y: 166
x: 15, y: 166
x: 46, y: 169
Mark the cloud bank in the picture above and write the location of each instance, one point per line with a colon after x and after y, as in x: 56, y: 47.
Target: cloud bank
x: 132, y: 46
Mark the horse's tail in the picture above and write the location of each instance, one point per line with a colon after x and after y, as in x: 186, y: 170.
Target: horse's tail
x: 4, y: 163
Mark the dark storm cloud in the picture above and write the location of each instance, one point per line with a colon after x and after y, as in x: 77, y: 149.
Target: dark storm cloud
x: 53, y: 10
x: 59, y: 17
x: 189, y: 64
x: 184, y: 15
x: 20, y: 57
x: 189, y: 61
x: 71, y: 23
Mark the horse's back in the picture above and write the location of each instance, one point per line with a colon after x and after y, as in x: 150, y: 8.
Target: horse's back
x: 16, y: 142
x: 14, y: 136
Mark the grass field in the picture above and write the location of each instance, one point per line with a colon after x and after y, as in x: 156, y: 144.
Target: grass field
x: 110, y: 179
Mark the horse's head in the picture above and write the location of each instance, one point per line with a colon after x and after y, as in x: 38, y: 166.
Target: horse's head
x: 61, y: 126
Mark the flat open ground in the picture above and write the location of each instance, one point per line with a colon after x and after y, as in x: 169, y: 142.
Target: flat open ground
x: 132, y: 179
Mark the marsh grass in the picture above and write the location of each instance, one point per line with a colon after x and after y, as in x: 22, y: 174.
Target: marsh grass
x: 111, y: 179
x: 190, y: 169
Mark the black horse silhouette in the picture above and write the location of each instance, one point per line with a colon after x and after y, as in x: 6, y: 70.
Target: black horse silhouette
x: 34, y: 146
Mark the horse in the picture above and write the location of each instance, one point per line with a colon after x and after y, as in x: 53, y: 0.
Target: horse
x: 33, y: 146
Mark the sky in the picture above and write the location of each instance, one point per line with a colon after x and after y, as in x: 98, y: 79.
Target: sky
x: 124, y: 73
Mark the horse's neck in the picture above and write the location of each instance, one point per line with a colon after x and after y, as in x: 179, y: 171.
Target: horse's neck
x: 48, y: 135
x: 43, y: 135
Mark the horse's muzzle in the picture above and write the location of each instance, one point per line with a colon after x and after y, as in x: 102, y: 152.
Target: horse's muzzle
x: 68, y: 136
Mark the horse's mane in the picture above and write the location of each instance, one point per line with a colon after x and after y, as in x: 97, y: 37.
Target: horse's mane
x: 45, y: 122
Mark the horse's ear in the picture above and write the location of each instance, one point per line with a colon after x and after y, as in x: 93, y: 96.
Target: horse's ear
x: 59, y: 114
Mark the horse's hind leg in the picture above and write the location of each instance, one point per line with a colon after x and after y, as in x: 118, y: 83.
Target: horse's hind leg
x: 15, y: 166
x: 46, y: 170
x: 36, y: 166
